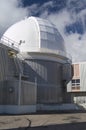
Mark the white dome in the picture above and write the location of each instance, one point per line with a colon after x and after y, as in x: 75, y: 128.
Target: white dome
x: 35, y: 33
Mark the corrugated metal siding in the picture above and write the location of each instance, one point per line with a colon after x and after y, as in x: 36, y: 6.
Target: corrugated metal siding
x: 45, y: 71
x: 83, y: 77
x: 66, y: 70
x: 1, y: 92
x: 28, y: 93
x: 48, y: 75
x: 3, y: 64
x: 7, y: 65
x: 3, y: 72
x: 7, y: 97
x: 13, y: 66
x: 49, y: 94
x: 11, y: 98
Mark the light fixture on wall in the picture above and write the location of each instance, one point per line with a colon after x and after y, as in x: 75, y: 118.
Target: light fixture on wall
x: 11, y: 89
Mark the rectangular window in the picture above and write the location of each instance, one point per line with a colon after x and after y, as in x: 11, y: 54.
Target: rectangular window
x: 73, y: 81
x: 76, y: 84
x: 75, y: 87
x: 43, y: 35
x: 78, y: 87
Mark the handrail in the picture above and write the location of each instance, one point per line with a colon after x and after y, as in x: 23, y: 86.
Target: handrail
x: 10, y: 43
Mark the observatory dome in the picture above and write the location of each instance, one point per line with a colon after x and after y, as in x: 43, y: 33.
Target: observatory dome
x: 32, y: 34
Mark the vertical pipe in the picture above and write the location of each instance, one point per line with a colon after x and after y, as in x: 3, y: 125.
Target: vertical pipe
x: 19, y: 90
x: 36, y: 88
x: 36, y: 81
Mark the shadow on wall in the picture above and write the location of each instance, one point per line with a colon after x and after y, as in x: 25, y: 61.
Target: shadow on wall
x: 70, y: 126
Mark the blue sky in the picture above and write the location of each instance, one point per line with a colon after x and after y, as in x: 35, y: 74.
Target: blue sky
x: 55, y: 7
x: 30, y: 2
x: 69, y: 16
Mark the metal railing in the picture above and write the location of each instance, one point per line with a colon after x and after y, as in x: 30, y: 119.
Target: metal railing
x: 10, y: 43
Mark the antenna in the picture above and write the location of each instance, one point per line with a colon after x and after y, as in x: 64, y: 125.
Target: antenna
x: 21, y: 41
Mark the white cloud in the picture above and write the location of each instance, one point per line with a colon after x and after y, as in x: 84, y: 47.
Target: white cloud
x: 75, y: 43
x: 10, y: 12
x: 41, y: 9
x: 60, y: 19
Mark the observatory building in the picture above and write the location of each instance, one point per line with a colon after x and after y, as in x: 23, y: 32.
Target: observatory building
x: 34, y: 67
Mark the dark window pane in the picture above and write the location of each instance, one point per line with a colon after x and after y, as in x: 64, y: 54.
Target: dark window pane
x: 78, y: 84
x: 77, y: 80
x: 73, y: 81
x: 73, y: 84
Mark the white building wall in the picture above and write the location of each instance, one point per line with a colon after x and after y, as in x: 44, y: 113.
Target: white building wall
x: 83, y: 76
